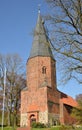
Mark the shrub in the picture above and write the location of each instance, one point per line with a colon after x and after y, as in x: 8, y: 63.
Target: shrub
x: 38, y: 125
x: 63, y: 127
x: 69, y: 127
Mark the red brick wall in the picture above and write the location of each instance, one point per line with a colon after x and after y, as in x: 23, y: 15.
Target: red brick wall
x: 53, y: 98
x: 52, y: 93
x: 66, y: 105
x: 68, y: 119
x: 38, y: 94
x: 42, y: 94
x: 32, y: 74
x: 34, y: 100
x: 35, y: 77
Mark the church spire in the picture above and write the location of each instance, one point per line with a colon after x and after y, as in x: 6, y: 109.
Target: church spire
x: 41, y: 45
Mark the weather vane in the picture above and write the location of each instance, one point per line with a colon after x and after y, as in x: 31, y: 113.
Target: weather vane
x: 39, y: 5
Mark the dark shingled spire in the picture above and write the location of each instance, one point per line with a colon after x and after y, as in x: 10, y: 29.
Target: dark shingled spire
x: 41, y: 44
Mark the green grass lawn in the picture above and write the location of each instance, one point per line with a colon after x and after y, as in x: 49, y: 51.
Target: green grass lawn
x: 53, y: 128
x: 7, y: 128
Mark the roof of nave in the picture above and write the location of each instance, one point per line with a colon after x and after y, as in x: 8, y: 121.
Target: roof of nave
x: 68, y: 100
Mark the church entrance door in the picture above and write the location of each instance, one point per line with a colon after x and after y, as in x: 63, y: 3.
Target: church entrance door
x: 32, y: 119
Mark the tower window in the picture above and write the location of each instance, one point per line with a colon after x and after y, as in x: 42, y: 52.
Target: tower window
x: 44, y: 70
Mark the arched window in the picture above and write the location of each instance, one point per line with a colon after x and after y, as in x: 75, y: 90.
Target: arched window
x: 43, y: 70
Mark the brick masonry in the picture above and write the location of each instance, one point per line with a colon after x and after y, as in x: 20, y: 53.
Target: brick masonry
x: 41, y: 101
x: 42, y: 96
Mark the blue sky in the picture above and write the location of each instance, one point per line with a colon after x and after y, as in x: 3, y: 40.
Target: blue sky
x: 17, y: 20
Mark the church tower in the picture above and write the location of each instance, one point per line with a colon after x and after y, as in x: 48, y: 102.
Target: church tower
x: 40, y: 99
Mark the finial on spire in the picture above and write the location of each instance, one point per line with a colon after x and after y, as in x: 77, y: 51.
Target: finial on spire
x: 39, y: 8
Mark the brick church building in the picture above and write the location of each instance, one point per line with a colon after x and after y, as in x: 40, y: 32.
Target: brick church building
x: 41, y: 101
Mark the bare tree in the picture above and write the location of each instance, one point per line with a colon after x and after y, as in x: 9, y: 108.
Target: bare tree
x: 15, y: 82
x: 79, y: 97
x: 1, y: 100
x: 65, y: 20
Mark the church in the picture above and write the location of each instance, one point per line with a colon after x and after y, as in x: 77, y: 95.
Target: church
x: 41, y: 101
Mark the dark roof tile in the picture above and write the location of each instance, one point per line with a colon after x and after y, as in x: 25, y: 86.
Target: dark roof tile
x: 41, y: 45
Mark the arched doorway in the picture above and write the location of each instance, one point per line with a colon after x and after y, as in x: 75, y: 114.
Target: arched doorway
x: 32, y: 119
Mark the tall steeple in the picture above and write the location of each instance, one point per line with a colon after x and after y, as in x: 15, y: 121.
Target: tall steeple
x: 41, y: 45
